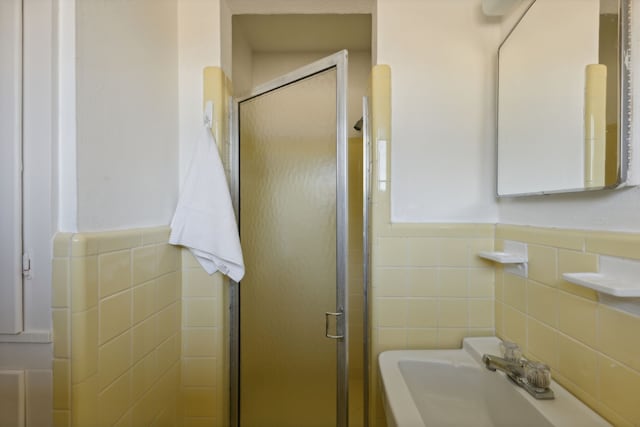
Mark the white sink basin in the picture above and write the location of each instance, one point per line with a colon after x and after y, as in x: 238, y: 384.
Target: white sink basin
x: 453, y: 388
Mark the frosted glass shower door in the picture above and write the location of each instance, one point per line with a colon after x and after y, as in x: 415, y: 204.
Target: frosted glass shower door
x: 292, y: 231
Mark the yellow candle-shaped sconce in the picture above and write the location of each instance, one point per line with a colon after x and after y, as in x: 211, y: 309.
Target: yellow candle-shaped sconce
x: 595, y: 125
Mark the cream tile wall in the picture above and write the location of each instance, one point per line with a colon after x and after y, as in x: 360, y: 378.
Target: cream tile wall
x: 205, y: 299
x: 204, y: 335
x: 592, y: 348
x: 116, y: 320
x: 428, y: 289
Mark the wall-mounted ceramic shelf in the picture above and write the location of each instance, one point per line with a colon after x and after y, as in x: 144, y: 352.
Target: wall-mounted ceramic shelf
x: 514, y: 258
x: 503, y: 257
x: 618, y: 287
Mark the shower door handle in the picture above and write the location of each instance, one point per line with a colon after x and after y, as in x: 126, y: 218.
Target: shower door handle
x: 326, y: 324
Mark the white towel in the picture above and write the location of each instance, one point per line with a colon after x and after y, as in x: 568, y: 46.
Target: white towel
x: 204, y: 220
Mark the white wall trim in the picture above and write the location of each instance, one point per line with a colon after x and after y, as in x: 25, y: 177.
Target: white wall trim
x: 40, y: 337
x: 66, y: 165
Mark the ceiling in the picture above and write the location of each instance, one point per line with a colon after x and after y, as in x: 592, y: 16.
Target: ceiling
x: 304, y: 33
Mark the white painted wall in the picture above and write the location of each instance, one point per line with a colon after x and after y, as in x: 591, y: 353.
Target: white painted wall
x: 199, y: 46
x: 127, y: 110
x: 242, y: 55
x: 599, y: 210
x: 442, y: 58
x: 65, y: 203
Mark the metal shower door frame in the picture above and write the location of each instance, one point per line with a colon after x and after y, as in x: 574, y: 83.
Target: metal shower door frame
x: 339, y: 61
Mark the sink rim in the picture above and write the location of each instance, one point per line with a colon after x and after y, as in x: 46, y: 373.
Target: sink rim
x: 400, y: 409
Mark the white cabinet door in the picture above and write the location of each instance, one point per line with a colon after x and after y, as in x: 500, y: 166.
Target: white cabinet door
x: 10, y: 166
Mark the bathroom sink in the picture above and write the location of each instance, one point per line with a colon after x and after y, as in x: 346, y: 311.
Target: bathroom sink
x: 453, y: 388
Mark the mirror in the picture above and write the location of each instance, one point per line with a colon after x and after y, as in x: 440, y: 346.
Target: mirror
x: 564, y: 98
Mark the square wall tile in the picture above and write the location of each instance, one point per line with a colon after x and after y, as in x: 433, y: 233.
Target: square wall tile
x: 543, y: 264
x: 424, y: 252
x: 168, y: 289
x: 115, y: 358
x: 578, y: 363
x: 62, y: 245
x: 422, y: 282
x: 391, y: 251
x: 168, y: 258
x: 422, y: 313
x: 145, y: 264
x: 454, y: 253
x: 144, y: 300
x: 115, y: 315
x: 542, y: 303
x: 452, y: 313
x: 200, y: 342
x: 514, y: 291
x: 199, y: 372
x: 422, y: 338
x: 577, y: 318
x: 199, y: 312
x: 499, y: 314
x: 619, y: 387
x: 199, y: 402
x: 390, y: 282
x: 168, y: 353
x: 155, y: 235
x: 482, y: 283
x: 391, y: 338
x: 198, y: 283
x: 115, y: 272
x: 514, y: 327
x: 60, y: 283
x: 624, y: 245
x: 61, y: 384
x: 481, y: 313
x: 84, y: 400
x: 61, y: 418
x: 84, y: 345
x: 392, y: 312
x: 618, y: 336
x: 114, y: 401
x: 84, y: 283
x: 112, y: 241
x: 542, y: 342
x: 168, y: 321
x: 144, y: 374
x: 145, y: 337
x: 451, y: 337
x: 453, y: 282
x: 61, y: 333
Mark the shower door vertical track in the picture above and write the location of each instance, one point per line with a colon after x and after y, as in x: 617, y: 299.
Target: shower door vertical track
x: 339, y: 62
x: 366, y: 252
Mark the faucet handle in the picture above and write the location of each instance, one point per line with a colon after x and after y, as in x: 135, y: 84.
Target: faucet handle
x: 511, y: 351
x: 538, y: 375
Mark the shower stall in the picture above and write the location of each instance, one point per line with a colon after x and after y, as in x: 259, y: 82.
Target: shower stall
x: 290, y: 314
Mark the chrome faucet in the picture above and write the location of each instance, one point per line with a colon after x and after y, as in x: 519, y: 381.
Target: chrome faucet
x: 509, y: 367
x: 534, y: 377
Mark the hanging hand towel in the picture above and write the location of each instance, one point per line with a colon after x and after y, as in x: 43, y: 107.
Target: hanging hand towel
x: 204, y: 220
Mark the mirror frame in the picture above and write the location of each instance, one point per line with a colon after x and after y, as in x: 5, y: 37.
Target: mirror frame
x: 625, y: 104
